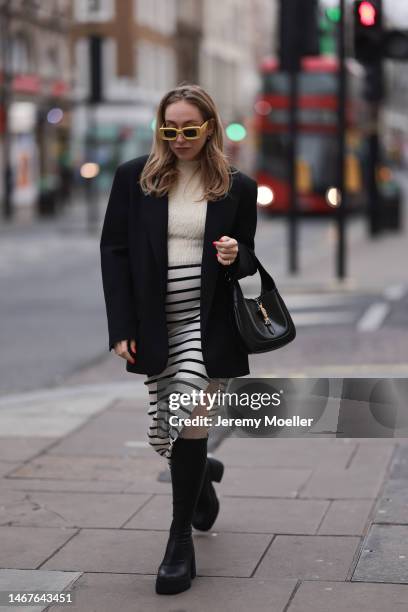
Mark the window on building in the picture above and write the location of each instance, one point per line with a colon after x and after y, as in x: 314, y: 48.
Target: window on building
x: 53, y: 66
x: 82, y: 73
x: 155, y: 66
x: 22, y: 60
x: 145, y: 75
x: 156, y: 14
x: 94, y: 10
x: 144, y: 11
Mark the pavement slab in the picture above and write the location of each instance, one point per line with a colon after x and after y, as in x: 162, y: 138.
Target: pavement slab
x: 287, y: 452
x: 374, y: 455
x: 55, y: 484
x: 29, y: 547
x: 112, y: 433
x: 7, y: 467
x: 22, y: 448
x: 53, y: 509
x: 35, y: 581
x: 141, y: 551
x: 263, y: 481
x: 308, y: 557
x: 134, y: 593
x: 48, y: 417
x: 243, y: 515
x: 141, y: 471
x: 355, y: 483
x: 346, y: 517
x: 348, y: 597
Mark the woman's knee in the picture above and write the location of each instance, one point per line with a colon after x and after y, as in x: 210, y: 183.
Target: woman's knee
x: 202, y: 410
x: 199, y: 430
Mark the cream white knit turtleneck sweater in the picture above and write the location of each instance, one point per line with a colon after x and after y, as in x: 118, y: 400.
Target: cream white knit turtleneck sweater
x: 187, y: 214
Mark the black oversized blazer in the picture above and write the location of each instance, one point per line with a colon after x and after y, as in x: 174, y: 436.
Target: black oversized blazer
x: 134, y: 264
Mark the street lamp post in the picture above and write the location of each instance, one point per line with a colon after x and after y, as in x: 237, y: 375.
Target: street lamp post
x: 94, y: 98
x: 5, y: 98
x: 341, y: 209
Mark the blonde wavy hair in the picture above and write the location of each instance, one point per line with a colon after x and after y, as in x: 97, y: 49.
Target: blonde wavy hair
x: 160, y: 171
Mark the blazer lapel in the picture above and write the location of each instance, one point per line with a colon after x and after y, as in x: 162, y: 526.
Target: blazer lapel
x: 220, y: 214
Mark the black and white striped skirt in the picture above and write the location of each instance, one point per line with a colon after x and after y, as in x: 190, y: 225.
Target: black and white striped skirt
x: 185, y: 369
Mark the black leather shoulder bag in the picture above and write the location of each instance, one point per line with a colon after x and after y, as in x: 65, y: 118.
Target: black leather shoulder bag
x: 263, y: 323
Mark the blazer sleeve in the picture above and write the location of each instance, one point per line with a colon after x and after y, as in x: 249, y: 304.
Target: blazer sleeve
x: 115, y: 264
x: 244, y: 231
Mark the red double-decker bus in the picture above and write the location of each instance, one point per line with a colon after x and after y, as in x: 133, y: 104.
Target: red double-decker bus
x: 317, y: 148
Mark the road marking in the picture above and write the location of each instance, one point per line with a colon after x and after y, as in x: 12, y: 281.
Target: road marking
x: 373, y: 317
x: 395, y: 292
x: 136, y: 444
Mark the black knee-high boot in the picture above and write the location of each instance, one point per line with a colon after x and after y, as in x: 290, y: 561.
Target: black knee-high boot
x: 188, y: 462
x: 208, y: 505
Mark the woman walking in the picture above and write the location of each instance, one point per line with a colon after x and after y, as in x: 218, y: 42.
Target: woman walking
x: 177, y: 220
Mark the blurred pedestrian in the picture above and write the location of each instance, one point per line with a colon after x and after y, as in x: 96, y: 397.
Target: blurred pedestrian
x: 176, y: 220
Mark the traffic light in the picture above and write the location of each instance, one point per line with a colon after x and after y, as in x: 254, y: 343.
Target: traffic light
x: 367, y: 13
x: 368, y: 46
x: 328, y: 30
x: 368, y: 30
x: 333, y: 14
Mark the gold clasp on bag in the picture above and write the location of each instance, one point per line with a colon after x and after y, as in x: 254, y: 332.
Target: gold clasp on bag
x: 262, y: 309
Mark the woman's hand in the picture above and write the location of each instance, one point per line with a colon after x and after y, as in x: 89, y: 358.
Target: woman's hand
x: 121, y: 349
x: 227, y: 250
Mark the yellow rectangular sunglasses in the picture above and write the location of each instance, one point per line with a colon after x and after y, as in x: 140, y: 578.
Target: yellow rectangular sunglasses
x: 191, y: 132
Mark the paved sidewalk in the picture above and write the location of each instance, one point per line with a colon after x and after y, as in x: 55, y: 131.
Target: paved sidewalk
x: 306, y: 525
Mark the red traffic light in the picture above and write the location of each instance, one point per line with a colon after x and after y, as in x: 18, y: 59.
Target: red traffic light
x: 367, y: 14
x: 368, y: 30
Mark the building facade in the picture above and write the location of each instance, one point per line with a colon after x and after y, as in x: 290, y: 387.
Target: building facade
x: 35, y: 106
x: 148, y: 46
x: 137, y: 63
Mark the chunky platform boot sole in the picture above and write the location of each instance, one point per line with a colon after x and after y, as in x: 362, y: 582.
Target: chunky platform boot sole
x: 171, y: 586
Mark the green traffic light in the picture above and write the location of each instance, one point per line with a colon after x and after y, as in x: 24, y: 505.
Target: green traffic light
x: 333, y: 13
x: 153, y: 125
x: 236, y: 132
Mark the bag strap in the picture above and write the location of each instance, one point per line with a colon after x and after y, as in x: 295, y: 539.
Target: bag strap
x: 267, y: 282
